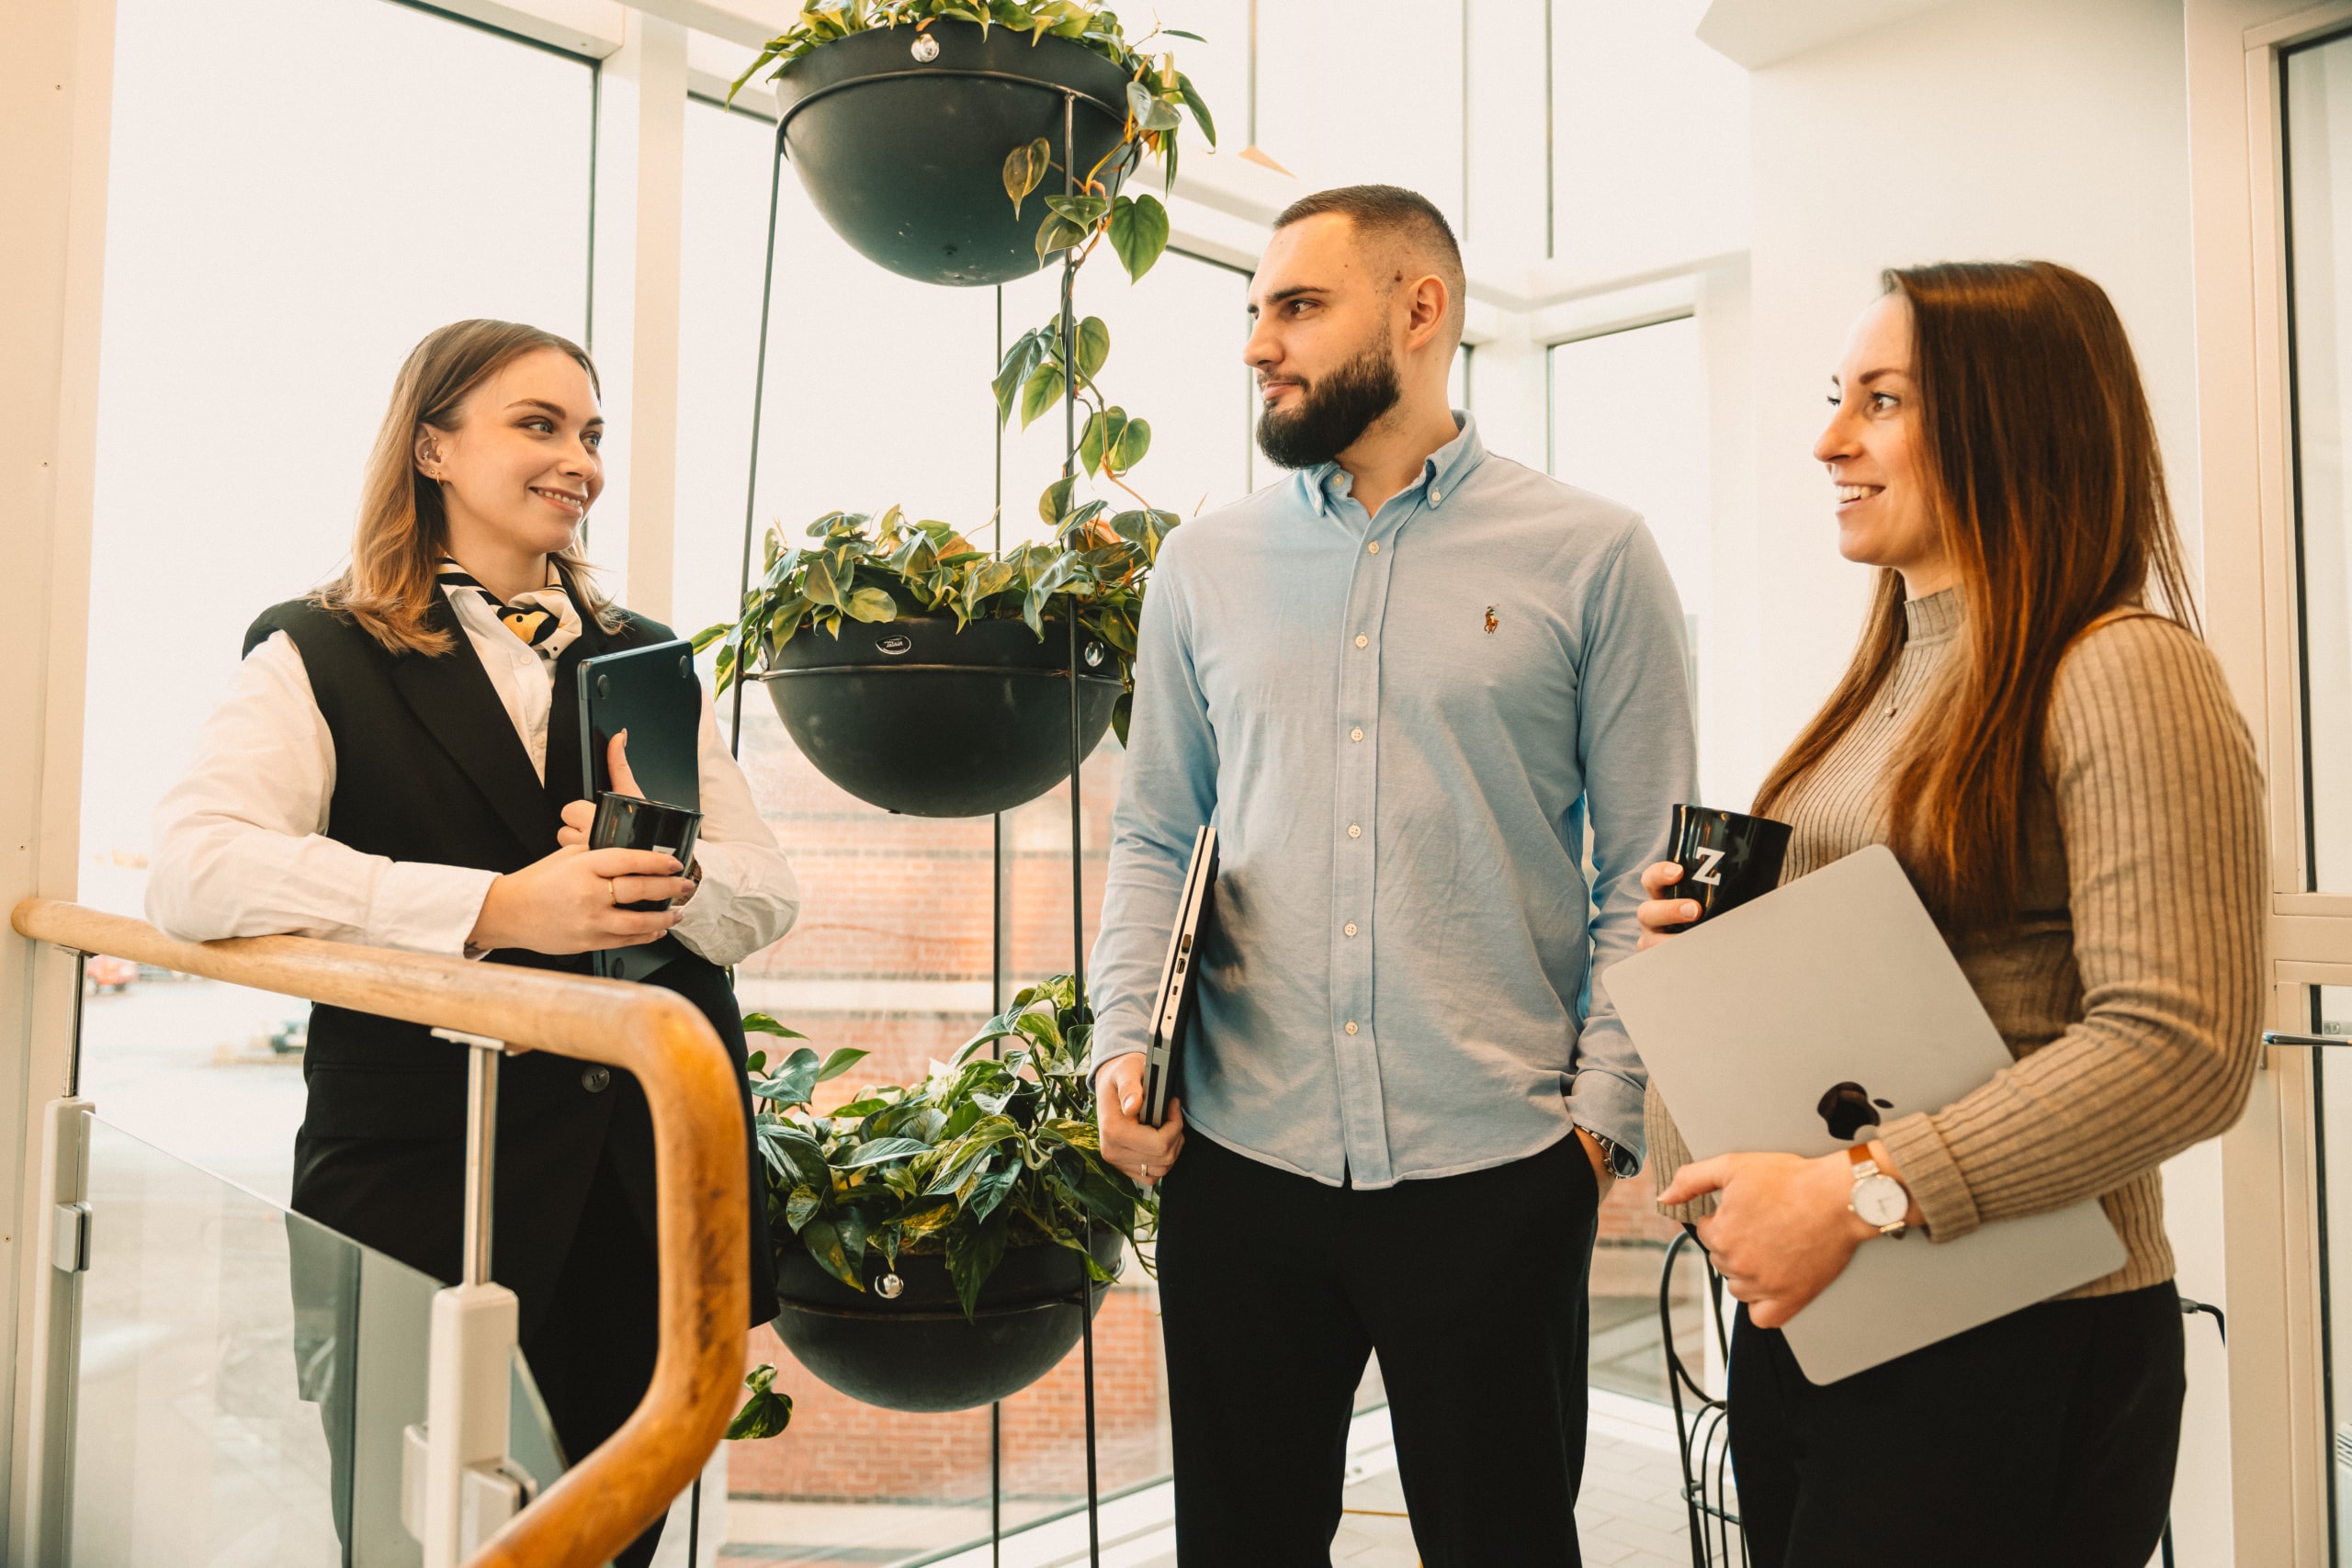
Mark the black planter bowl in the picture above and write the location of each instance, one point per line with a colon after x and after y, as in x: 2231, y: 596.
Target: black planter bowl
x: 905, y: 156
x: 918, y: 1351
x: 916, y: 716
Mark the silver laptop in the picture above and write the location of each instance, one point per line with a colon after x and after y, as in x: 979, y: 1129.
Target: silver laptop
x: 1800, y: 1022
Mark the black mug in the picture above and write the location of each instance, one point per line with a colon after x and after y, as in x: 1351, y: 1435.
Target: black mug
x: 1727, y: 858
x: 630, y: 822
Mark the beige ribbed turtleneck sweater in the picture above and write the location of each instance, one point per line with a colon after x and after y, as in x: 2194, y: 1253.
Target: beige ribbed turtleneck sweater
x: 2129, y: 985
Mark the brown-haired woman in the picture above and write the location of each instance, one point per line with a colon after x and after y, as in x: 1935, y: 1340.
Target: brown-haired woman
x: 395, y: 765
x: 2063, y: 772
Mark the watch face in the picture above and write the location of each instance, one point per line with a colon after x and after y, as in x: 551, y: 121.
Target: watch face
x: 1881, y: 1199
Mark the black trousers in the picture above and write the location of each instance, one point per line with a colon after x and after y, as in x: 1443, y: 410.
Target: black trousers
x: 2043, y: 1439
x: 1275, y: 1288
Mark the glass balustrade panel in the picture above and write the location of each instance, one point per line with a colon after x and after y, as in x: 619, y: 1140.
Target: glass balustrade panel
x: 244, y: 1378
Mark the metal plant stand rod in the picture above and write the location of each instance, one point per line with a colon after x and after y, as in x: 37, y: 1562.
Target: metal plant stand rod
x: 1077, y: 806
x: 752, y: 480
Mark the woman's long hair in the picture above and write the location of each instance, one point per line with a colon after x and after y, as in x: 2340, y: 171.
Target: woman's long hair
x: 2044, y: 479
x: 389, y: 587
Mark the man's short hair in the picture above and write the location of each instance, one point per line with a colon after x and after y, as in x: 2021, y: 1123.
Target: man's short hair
x: 1405, y: 218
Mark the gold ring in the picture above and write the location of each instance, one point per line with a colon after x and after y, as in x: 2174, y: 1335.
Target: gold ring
x: 613, y: 887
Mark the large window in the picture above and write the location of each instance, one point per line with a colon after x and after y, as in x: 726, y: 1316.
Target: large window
x: 2319, y: 193
x: 1628, y: 421
x: 298, y: 191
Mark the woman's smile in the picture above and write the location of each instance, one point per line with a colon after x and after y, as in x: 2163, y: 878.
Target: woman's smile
x: 570, y: 503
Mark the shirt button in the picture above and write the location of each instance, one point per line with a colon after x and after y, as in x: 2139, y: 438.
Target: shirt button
x: 1434, y: 496
x: 1349, y: 927
x: 1362, y: 640
x: 1354, y: 830
x: 1376, y: 546
x: 1352, y: 1026
x: 596, y: 1080
x: 1355, y: 734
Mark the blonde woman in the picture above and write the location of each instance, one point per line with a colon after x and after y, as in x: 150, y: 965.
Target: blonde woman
x: 2059, y: 764
x: 398, y: 764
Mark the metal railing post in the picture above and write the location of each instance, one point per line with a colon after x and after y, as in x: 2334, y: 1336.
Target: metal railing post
x: 57, y: 1327
x: 458, y: 1485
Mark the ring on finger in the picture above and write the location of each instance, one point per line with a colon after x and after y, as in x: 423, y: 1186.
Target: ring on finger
x: 613, y: 887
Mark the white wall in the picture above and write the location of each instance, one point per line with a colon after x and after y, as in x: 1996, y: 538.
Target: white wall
x: 1985, y: 130
x: 1998, y: 129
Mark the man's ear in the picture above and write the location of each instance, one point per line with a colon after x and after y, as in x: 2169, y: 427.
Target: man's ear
x: 1428, y: 303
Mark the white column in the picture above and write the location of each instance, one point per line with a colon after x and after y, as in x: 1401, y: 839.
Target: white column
x: 640, y: 166
x: 56, y: 68
x: 1734, y: 753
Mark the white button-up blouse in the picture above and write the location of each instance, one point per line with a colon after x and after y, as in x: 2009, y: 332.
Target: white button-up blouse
x: 240, y: 845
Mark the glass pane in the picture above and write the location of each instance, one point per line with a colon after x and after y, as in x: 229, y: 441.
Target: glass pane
x: 2332, y: 1136
x: 2319, y: 200
x: 245, y: 1376
x: 280, y: 231
x: 1606, y: 437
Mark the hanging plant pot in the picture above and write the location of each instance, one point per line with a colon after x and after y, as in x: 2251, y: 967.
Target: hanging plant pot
x: 900, y: 139
x: 914, y: 715
x: 917, y: 1351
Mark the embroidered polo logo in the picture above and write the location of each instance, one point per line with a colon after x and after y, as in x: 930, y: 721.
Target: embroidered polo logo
x: 1491, y: 621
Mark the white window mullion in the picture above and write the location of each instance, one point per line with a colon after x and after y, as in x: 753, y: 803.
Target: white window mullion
x: 640, y: 166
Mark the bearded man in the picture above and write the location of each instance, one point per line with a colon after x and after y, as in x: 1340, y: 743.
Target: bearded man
x: 1402, y: 684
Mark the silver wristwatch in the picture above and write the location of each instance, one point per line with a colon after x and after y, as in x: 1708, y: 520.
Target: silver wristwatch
x: 1877, y: 1198
x: 1610, y: 1150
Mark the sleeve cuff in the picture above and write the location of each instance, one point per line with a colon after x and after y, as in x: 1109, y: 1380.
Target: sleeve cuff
x: 1944, y: 1199
x: 1606, y: 1103
x: 423, y: 907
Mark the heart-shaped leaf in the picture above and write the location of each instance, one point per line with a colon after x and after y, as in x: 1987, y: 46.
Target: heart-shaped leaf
x: 1093, y: 346
x: 1138, y: 232
x: 1042, y: 390
x: 1134, y: 440
x: 1024, y: 167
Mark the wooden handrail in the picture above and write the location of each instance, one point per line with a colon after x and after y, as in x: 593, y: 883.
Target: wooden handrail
x: 606, y: 1500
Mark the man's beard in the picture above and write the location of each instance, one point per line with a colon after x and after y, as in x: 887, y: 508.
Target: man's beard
x: 1333, y: 410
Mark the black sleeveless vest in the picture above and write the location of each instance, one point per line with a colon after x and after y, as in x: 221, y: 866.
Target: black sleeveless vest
x: 428, y: 768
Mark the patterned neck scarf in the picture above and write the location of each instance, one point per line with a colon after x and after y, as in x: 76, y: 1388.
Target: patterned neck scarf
x: 545, y: 618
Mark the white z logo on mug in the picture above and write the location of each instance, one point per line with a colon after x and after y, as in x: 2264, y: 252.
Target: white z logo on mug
x: 1709, y: 859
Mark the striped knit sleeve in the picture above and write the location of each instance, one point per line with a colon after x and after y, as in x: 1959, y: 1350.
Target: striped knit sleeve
x: 2160, y: 804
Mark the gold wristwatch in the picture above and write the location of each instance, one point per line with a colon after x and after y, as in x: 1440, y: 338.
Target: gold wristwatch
x: 1880, y: 1199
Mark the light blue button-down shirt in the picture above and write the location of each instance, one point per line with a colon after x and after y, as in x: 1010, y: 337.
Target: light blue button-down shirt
x: 1400, y: 726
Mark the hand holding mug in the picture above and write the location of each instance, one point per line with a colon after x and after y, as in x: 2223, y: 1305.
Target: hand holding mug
x: 1659, y: 915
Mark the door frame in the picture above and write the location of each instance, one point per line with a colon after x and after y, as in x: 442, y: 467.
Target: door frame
x: 2280, y: 1465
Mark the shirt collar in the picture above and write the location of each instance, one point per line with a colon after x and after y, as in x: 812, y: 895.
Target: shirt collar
x: 1442, y: 472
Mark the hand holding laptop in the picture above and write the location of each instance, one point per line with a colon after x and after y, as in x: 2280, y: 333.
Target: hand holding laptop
x: 1783, y: 1228
x: 1129, y: 1144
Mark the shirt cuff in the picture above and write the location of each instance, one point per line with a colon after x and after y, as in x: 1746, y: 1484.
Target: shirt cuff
x: 1945, y: 1202
x: 1605, y: 1102
x: 421, y: 907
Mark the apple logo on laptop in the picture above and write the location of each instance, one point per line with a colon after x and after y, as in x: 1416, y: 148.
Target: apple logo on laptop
x: 1849, y: 1108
